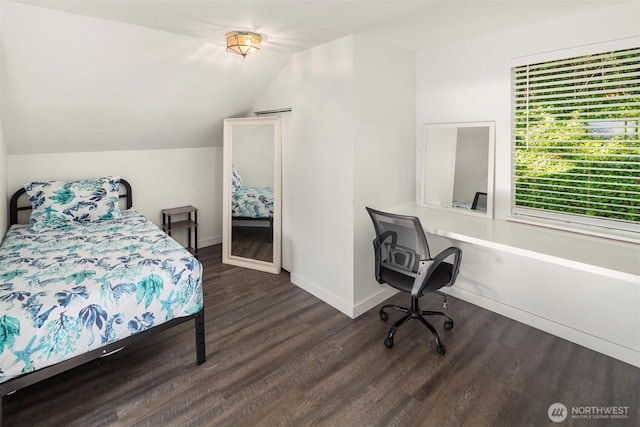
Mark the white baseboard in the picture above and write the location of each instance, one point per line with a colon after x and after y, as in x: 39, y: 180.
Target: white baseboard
x: 215, y: 240
x: 328, y: 297
x: 584, y: 339
x: 459, y: 290
x: 382, y: 295
x: 463, y: 292
x: 338, y: 303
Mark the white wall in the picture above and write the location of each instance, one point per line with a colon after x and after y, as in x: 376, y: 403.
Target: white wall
x: 74, y: 83
x: 317, y: 159
x: 471, y: 167
x: 439, y: 178
x: 383, y: 159
x: 160, y: 179
x: 470, y: 81
x: 348, y: 143
x: 252, y: 154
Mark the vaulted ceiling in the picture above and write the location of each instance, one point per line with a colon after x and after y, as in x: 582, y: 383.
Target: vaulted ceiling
x: 290, y: 26
x: 97, y: 75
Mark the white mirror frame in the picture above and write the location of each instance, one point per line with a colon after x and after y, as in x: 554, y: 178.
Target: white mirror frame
x: 227, y: 257
x: 422, y: 168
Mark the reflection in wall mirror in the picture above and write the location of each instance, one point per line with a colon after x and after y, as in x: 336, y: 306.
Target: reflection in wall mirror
x: 251, y: 193
x: 457, y: 167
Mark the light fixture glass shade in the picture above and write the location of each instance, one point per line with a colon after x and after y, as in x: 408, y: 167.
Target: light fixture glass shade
x: 243, y: 43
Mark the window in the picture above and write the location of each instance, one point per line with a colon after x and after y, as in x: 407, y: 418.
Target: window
x: 575, y: 139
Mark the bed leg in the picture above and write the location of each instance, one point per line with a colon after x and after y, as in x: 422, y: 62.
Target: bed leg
x: 270, y: 229
x: 1, y: 412
x: 201, y: 355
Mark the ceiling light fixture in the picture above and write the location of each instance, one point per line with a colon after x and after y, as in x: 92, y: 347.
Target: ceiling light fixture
x: 243, y: 43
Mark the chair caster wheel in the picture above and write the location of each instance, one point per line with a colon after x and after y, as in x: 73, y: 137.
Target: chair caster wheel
x: 388, y: 342
x: 384, y: 316
x: 441, y: 350
x: 448, y: 325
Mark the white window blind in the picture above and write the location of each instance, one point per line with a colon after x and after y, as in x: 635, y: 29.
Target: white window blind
x: 576, y: 139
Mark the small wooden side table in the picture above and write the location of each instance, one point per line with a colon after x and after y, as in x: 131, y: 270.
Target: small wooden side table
x: 188, y: 222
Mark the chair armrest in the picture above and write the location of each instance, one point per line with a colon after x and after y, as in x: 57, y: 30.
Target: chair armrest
x: 427, y: 267
x: 457, y: 253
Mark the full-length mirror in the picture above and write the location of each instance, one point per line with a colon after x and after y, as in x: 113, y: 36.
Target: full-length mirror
x: 251, y: 193
x: 457, y: 167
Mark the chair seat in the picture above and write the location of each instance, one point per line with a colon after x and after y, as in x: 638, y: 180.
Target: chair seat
x: 440, y: 277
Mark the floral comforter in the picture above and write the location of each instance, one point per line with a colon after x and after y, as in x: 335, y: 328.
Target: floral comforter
x: 252, y: 202
x: 71, y: 290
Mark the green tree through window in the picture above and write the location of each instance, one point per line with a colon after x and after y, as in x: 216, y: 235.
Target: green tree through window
x: 576, y: 139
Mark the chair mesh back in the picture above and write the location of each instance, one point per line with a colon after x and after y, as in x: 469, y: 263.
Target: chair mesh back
x: 401, y: 241
x: 480, y: 202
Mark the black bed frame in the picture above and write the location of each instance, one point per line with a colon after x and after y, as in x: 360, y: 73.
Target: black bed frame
x: 251, y: 218
x: 16, y: 204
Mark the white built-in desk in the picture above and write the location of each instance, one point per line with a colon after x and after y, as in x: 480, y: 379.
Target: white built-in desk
x: 583, y: 288
x: 594, y: 254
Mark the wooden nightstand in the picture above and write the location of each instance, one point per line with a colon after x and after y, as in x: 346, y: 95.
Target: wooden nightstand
x: 189, y: 222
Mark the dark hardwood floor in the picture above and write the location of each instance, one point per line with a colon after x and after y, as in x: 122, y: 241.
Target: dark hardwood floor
x: 279, y: 356
x: 252, y: 242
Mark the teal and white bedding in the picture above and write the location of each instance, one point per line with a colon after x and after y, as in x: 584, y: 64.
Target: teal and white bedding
x: 70, y: 290
x: 250, y: 202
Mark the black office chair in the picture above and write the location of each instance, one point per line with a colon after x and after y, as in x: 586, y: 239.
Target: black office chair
x: 479, y: 202
x: 403, y: 261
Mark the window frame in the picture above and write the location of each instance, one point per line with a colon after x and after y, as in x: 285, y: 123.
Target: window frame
x: 627, y: 230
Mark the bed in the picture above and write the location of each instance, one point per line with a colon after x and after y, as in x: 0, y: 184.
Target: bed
x: 250, y: 204
x: 85, y: 285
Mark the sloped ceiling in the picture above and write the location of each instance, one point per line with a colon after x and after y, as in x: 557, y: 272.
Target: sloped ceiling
x: 101, y: 75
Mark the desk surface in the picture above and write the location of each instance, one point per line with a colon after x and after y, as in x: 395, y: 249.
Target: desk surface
x: 596, y: 254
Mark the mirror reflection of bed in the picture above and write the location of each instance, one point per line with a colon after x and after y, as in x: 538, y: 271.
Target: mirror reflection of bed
x: 251, y: 193
x: 252, y: 214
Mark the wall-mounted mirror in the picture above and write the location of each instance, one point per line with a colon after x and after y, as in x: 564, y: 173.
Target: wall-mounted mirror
x: 251, y: 220
x: 457, y: 167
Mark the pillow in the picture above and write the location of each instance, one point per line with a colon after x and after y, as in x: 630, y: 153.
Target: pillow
x: 236, y: 180
x: 58, y: 204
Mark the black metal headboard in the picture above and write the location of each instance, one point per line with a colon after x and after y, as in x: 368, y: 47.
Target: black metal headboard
x: 16, y: 205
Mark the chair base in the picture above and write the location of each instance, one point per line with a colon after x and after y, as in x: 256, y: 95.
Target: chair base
x: 416, y: 313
